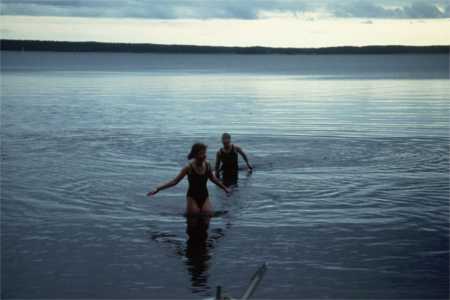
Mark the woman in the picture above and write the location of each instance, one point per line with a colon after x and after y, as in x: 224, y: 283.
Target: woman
x: 227, y: 161
x: 198, y: 171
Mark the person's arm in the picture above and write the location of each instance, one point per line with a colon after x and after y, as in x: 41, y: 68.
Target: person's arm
x: 217, y: 182
x: 171, y: 183
x: 217, y: 167
x: 244, y: 156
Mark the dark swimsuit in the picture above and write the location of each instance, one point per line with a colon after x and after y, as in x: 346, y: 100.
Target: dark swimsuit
x: 198, y: 189
x: 229, y: 166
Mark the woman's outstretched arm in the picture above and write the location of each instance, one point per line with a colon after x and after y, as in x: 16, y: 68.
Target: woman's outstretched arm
x: 171, y: 183
x: 244, y: 156
x: 216, y: 181
x: 217, y: 167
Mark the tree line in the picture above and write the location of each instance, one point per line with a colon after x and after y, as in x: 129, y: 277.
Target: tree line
x: 61, y: 46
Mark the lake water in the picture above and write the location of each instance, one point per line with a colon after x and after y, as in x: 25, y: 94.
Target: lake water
x: 349, y: 197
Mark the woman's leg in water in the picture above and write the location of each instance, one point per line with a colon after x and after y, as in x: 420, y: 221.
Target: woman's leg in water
x: 198, y: 219
x: 230, y: 179
x: 207, y: 208
x: 193, y: 208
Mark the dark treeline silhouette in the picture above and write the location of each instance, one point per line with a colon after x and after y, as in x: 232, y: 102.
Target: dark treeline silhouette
x: 57, y: 46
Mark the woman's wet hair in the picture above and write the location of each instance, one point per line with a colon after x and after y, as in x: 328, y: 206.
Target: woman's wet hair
x: 226, y: 135
x: 196, y: 148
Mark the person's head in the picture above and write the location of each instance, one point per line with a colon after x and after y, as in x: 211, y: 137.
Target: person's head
x: 226, y: 139
x: 198, y: 152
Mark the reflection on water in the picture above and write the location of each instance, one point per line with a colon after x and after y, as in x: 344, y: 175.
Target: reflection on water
x: 196, y: 250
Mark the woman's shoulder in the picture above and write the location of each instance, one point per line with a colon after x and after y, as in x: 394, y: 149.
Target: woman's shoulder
x: 188, y: 166
x: 207, y: 166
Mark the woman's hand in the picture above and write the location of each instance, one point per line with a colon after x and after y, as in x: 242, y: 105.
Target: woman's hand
x: 249, y: 168
x: 153, y: 192
x: 227, y: 191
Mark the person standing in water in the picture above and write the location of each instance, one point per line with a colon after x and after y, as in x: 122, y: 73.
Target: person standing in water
x: 198, y: 171
x: 227, y: 161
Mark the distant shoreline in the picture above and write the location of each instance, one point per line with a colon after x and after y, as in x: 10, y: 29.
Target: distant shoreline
x: 61, y: 46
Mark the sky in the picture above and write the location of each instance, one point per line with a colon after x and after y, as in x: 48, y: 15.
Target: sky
x: 276, y: 23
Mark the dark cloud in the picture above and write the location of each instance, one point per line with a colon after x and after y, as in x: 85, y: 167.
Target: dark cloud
x: 159, y: 9
x: 225, y: 9
x: 370, y: 9
x: 364, y: 9
x: 423, y: 10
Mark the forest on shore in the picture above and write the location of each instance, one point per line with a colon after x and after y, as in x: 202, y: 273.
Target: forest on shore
x: 62, y: 46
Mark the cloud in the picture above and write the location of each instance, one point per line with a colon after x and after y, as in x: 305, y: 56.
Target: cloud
x: 227, y: 9
x: 154, y: 9
x: 369, y: 9
x: 424, y: 10
x: 364, y: 9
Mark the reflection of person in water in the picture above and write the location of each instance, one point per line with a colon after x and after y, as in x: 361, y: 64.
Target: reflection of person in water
x: 197, y: 250
x: 198, y: 172
x: 227, y: 161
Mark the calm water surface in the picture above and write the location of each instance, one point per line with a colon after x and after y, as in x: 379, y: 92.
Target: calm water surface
x: 349, y: 198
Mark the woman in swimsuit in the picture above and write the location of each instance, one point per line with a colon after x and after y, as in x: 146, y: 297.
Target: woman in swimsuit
x: 198, y: 171
x: 227, y: 161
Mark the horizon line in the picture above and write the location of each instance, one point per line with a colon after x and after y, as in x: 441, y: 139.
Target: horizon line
x: 222, y: 46
x: 123, y: 47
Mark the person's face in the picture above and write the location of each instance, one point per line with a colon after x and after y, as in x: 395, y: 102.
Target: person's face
x: 201, y: 156
x: 226, y: 141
